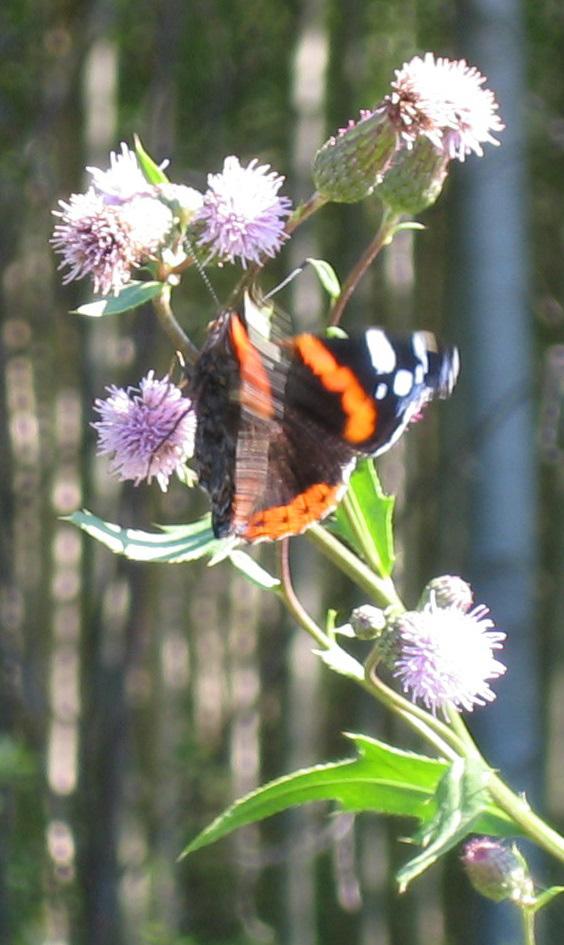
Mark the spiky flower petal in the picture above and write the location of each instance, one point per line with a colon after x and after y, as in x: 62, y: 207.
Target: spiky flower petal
x: 147, y: 431
x: 108, y: 241
x: 242, y: 214
x: 446, y: 655
x: 443, y: 100
x: 123, y: 180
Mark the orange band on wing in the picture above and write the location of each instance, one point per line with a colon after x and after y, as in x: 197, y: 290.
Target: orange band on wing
x: 359, y: 408
x: 256, y: 393
x: 282, y: 521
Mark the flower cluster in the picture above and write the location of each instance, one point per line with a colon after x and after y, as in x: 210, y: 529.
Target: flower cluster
x: 148, y: 431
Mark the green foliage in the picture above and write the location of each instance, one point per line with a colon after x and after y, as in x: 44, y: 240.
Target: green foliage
x: 132, y: 296
x: 383, y: 779
x: 151, y: 170
x: 327, y: 276
x: 365, y: 520
x: 173, y: 544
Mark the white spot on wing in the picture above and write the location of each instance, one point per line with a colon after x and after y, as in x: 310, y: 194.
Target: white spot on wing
x: 381, y: 352
x: 381, y: 391
x: 403, y: 383
x: 419, y: 345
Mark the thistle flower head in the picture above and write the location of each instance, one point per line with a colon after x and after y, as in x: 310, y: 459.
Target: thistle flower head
x: 242, y: 214
x: 443, y: 100
x: 147, y: 431
x: 497, y: 871
x: 107, y: 241
x: 123, y: 180
x: 446, y: 655
x: 351, y: 163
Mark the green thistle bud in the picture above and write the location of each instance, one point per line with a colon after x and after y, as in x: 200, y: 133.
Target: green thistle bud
x: 368, y: 622
x: 348, y: 166
x: 497, y: 871
x: 415, y: 179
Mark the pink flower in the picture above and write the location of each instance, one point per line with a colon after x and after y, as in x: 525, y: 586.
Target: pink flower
x: 242, y: 214
x: 148, y: 432
x: 498, y: 871
x: 123, y: 180
x: 446, y: 655
x: 443, y: 100
x: 108, y: 241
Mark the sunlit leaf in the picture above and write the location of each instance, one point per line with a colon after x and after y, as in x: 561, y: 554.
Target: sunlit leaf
x: 381, y: 779
x: 132, y: 296
x: 327, y: 276
x: 173, y: 544
x: 461, y: 799
x: 374, y: 518
x: 151, y: 170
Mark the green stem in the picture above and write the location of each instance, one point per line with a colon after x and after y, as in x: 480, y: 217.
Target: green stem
x: 384, y: 235
x: 531, y: 824
x: 292, y: 602
x: 528, y: 921
x: 166, y: 317
x: 305, y: 210
x: 381, y: 590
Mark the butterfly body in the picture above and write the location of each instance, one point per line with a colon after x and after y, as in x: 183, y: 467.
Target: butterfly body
x: 280, y: 425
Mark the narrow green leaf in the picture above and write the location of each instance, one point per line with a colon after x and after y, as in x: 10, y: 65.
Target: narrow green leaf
x: 382, y: 778
x: 461, y: 798
x: 545, y: 897
x: 151, y: 170
x: 253, y: 571
x: 327, y: 276
x: 172, y: 543
x: 373, y: 511
x: 132, y: 296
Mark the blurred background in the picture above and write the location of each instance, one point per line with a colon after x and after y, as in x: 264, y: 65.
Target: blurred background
x: 137, y: 701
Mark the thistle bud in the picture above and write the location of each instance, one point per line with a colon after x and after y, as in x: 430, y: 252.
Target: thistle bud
x: 415, y: 179
x: 449, y: 590
x: 367, y: 622
x: 350, y: 164
x: 497, y: 871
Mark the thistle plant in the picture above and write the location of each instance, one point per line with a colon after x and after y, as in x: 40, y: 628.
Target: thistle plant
x: 136, y: 234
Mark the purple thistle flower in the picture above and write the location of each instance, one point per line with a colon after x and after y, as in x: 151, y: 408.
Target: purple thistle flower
x: 242, y: 213
x: 148, y: 432
x: 443, y: 100
x: 446, y: 655
x: 105, y: 241
x: 123, y: 180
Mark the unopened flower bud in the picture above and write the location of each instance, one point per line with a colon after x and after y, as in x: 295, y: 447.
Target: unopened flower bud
x: 415, y: 179
x: 497, y: 871
x: 185, y: 202
x: 350, y: 164
x: 367, y: 622
x: 449, y: 590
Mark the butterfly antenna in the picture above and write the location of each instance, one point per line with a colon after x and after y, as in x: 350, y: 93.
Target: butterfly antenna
x: 290, y: 278
x: 203, y: 273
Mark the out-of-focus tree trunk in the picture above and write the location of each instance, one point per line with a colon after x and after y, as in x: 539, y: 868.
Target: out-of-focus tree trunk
x: 495, y: 432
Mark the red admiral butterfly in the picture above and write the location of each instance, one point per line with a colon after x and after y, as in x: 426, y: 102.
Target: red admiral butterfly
x: 280, y: 425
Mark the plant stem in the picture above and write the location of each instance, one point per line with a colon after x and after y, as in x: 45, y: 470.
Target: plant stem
x: 305, y: 210
x: 381, y: 590
x: 292, y: 602
x: 165, y: 315
x: 383, y: 236
x: 528, y: 920
x: 351, y: 507
x: 531, y: 824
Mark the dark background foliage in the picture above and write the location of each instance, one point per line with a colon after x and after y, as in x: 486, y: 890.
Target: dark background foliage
x: 137, y: 701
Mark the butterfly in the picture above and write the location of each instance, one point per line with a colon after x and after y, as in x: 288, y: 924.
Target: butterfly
x: 281, y: 423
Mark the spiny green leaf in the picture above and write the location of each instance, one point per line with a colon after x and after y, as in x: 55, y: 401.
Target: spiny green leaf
x: 327, y: 276
x: 382, y: 778
x: 373, y: 512
x: 173, y: 544
x: 151, y: 170
x: 461, y: 798
x: 132, y: 296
